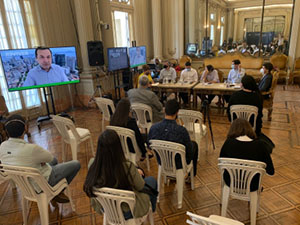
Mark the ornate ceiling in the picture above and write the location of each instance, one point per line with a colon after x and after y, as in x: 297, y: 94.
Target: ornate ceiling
x: 247, y: 3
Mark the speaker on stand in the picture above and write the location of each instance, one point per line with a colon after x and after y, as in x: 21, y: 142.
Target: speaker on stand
x: 95, y: 53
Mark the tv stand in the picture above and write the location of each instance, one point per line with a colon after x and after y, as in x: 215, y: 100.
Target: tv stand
x: 48, y: 116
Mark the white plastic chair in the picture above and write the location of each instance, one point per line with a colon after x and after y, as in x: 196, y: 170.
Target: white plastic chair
x: 211, y: 220
x: 27, y: 179
x: 241, y: 173
x: 71, y: 135
x: 111, y: 200
x: 193, y: 122
x: 104, y: 104
x: 245, y: 112
x: 167, y: 151
x: 143, y: 112
x: 124, y: 135
x: 4, y: 178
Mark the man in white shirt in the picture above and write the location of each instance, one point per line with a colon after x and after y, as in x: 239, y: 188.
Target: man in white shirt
x: 188, y: 75
x: 17, y: 152
x: 168, y: 73
x: 236, y: 73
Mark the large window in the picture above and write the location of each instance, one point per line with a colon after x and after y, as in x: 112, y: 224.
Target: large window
x: 14, y: 35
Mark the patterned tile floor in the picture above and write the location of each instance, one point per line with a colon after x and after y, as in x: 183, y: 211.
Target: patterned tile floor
x: 280, y: 200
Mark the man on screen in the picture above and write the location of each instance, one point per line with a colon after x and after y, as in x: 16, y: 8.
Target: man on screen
x: 45, y: 72
x: 138, y: 58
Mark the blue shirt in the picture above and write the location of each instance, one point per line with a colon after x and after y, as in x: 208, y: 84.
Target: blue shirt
x: 38, y: 76
x: 169, y: 130
x: 235, y: 76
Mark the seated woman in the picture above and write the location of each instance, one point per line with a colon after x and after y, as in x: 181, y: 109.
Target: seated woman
x: 250, y: 95
x: 210, y: 75
x: 111, y: 169
x: 266, y: 81
x: 122, y: 118
x: 242, y: 143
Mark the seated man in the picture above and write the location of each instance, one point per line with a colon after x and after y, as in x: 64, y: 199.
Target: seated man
x: 147, y: 72
x: 169, y: 130
x: 188, y: 75
x: 266, y: 81
x: 235, y: 75
x: 209, y: 75
x: 148, y: 97
x: 17, y: 152
x: 168, y: 73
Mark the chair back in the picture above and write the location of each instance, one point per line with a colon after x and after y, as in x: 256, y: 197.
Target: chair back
x: 167, y: 151
x: 241, y: 173
x: 245, y: 112
x: 183, y: 59
x: 199, y: 220
x: 106, y: 106
x: 29, y: 180
x: 142, y: 113
x: 279, y: 60
x: 63, y: 125
x: 188, y: 119
x: 274, y: 84
x: 125, y: 135
x: 111, y: 201
x: 297, y: 64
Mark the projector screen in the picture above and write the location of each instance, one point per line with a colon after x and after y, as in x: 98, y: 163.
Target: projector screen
x: 137, y: 56
x: 117, y: 58
x: 23, y: 70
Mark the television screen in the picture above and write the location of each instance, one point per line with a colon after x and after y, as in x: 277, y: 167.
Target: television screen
x: 23, y: 70
x: 192, y: 48
x: 137, y: 56
x: 117, y: 58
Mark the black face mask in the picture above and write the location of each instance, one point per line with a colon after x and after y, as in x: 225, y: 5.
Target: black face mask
x: 165, y: 66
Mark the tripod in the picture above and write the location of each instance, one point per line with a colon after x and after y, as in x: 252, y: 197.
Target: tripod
x: 97, y: 90
x: 205, y: 111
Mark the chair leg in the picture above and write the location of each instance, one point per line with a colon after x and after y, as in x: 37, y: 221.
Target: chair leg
x: 148, y: 162
x: 253, y: 207
x: 192, y: 178
x: 270, y: 110
x: 74, y: 147
x: 206, y: 142
x: 43, y: 209
x: 102, y: 122
x: 63, y: 151
x: 159, y: 181
x: 150, y: 216
x: 25, y: 210
x: 225, y: 198
x: 179, y: 185
x: 68, y: 193
x: 104, y: 219
x: 92, y: 146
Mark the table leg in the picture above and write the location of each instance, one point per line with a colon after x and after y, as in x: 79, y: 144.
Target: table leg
x: 189, y: 98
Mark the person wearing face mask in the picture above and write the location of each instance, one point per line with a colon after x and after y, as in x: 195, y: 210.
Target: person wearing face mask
x: 266, y: 81
x: 147, y: 72
x: 236, y: 73
x: 210, y: 75
x: 167, y: 73
x: 188, y: 75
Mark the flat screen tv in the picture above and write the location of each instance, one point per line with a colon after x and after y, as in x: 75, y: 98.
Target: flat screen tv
x: 117, y: 58
x: 23, y: 70
x: 137, y: 56
x: 191, y: 48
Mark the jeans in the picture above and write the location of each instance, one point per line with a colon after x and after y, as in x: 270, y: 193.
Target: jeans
x: 60, y: 171
x: 151, y: 181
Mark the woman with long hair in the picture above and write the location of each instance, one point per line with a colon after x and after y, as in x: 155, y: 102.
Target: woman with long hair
x: 122, y: 118
x: 242, y: 143
x: 111, y: 169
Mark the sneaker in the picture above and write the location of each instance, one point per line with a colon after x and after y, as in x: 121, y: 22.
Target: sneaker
x: 61, y: 198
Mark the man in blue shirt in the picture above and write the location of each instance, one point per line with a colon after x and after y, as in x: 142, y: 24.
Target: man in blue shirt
x: 45, y: 72
x: 236, y: 73
x: 169, y: 130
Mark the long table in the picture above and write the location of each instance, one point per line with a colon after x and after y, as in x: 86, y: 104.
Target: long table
x: 213, y: 89
x: 174, y: 87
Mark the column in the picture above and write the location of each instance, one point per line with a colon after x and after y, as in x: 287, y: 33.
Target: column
x: 294, y: 51
x: 218, y: 26
x: 85, y: 33
x: 229, y: 24
x: 236, y: 16
x: 157, y: 23
x: 179, y: 29
x: 202, y: 24
x: 191, y: 16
